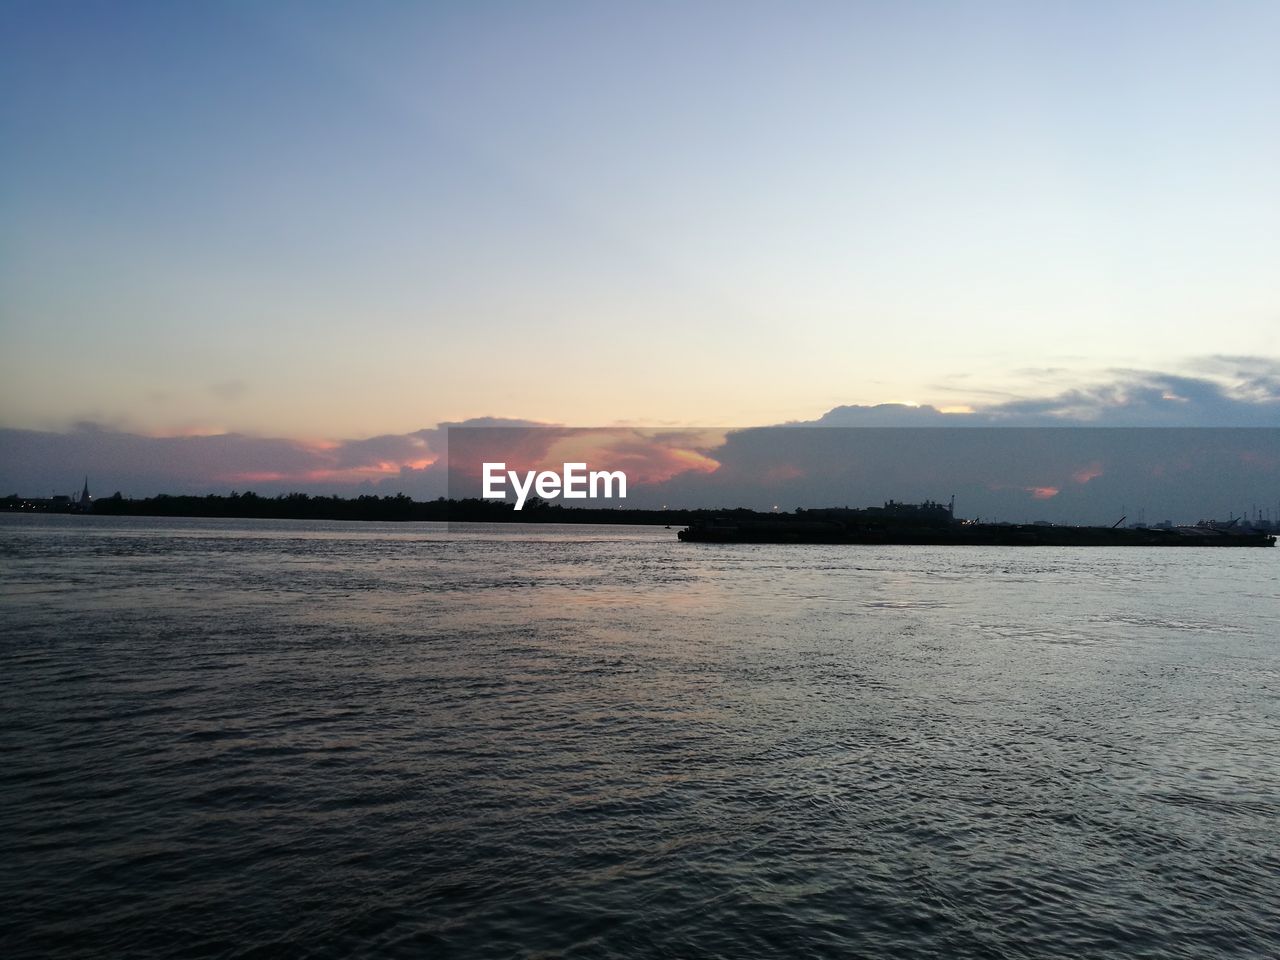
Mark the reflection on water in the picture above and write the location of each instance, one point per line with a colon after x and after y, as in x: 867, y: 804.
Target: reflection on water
x: 324, y: 739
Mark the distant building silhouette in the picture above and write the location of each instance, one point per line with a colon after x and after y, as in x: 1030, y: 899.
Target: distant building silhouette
x: 86, y: 501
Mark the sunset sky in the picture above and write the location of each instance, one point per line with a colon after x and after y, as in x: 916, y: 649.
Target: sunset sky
x: 321, y: 225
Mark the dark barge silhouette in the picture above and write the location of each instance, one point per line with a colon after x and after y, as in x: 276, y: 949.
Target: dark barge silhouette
x: 934, y: 524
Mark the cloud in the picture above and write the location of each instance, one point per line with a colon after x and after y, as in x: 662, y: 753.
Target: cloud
x: 1079, y: 475
x: 887, y: 415
x: 994, y: 470
x: 646, y: 456
x: 33, y: 462
x: 1087, y: 473
x: 1233, y: 392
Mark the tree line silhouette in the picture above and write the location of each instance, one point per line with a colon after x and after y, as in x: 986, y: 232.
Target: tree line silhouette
x: 302, y: 506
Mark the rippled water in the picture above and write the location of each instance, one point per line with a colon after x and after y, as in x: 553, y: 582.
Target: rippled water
x: 287, y: 739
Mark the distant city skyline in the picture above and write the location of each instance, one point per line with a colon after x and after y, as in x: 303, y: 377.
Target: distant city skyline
x: 280, y: 245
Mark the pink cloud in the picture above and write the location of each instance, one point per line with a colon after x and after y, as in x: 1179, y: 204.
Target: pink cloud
x: 782, y: 473
x: 1085, y: 474
x: 646, y: 456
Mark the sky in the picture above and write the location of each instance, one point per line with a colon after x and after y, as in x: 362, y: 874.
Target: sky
x: 306, y: 236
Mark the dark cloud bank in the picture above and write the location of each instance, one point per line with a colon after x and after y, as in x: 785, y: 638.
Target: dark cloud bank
x: 1176, y: 447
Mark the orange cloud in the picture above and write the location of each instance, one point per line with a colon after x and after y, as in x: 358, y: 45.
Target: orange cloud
x: 1043, y: 493
x: 341, y: 462
x: 1085, y: 474
x: 521, y: 447
x: 645, y: 455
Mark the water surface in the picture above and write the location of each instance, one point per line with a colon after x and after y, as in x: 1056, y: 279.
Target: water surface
x: 273, y: 738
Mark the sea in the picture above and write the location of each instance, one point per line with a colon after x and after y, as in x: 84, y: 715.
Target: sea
x: 239, y: 738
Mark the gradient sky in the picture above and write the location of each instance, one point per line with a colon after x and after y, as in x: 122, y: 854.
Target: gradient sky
x: 346, y: 220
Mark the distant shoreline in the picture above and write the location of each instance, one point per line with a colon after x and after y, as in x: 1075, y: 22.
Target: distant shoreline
x: 402, y: 508
x: 399, y: 508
